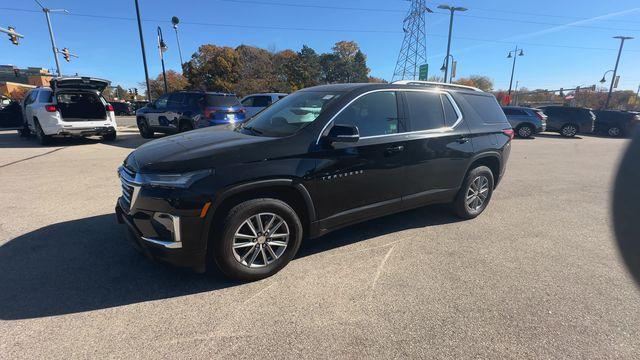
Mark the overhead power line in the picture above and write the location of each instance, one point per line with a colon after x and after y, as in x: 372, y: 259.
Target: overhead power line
x: 290, y: 28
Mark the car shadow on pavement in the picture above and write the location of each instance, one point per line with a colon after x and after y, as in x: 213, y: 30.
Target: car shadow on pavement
x: 83, y: 265
x: 129, y: 140
x: 557, y: 136
x: 412, y: 219
x: 88, y: 264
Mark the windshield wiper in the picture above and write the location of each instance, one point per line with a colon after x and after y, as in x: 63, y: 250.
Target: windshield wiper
x: 252, y: 129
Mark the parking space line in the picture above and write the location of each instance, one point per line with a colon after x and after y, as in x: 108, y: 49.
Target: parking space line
x: 31, y: 157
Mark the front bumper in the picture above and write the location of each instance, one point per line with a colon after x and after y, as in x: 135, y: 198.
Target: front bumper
x: 174, y: 239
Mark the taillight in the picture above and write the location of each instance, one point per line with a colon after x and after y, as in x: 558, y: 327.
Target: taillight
x: 539, y: 115
x: 109, y: 107
x: 509, y: 132
x: 242, y: 111
x: 51, y: 108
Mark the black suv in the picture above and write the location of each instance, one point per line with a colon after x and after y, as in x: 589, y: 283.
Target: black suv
x: 569, y: 121
x: 187, y: 110
x: 615, y: 123
x: 244, y: 196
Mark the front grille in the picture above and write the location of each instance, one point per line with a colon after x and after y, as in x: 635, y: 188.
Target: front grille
x: 127, y: 181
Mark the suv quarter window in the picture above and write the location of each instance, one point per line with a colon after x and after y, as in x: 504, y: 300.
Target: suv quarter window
x: 451, y: 116
x: 516, y: 112
x: 374, y: 114
x: 248, y: 102
x: 261, y: 101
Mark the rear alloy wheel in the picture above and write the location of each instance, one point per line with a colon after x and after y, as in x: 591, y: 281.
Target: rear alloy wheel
x: 144, y: 129
x: 525, y: 131
x: 569, y: 130
x: 43, y: 139
x: 614, y: 131
x: 475, y: 193
x: 259, y: 237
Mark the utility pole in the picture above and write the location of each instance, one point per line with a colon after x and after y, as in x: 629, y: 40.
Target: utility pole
x: 513, y: 67
x: 175, y: 21
x: 144, y: 56
x: 47, y: 11
x: 413, y: 52
x: 452, y: 9
x: 162, y: 47
x: 615, y: 69
x: 638, y: 98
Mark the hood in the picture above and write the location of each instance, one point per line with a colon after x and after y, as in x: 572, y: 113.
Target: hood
x: 79, y: 83
x: 194, y: 150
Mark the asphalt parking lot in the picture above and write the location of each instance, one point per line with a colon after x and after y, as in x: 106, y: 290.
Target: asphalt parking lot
x: 536, y: 276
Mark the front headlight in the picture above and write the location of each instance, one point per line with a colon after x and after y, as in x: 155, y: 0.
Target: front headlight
x: 180, y: 181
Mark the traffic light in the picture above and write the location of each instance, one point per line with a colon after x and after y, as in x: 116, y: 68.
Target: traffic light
x: 12, y: 35
x: 66, y: 54
x: 135, y: 90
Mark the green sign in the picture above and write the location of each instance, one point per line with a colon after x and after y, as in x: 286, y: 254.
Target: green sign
x: 424, y: 72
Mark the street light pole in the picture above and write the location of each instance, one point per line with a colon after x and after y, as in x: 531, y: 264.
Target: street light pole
x: 162, y: 47
x: 47, y: 11
x: 513, y: 67
x: 175, y: 21
x: 451, y: 9
x: 144, y: 56
x: 615, y: 69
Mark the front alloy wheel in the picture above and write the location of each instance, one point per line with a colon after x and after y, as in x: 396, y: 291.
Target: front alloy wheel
x: 260, y: 240
x: 256, y: 239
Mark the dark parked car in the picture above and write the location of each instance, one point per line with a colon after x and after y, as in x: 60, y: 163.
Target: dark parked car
x: 325, y: 157
x: 615, y: 123
x: 526, y: 121
x: 187, y: 110
x: 122, y: 108
x: 569, y: 121
x: 10, y: 114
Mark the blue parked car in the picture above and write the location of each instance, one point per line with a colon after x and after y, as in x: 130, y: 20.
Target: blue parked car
x: 187, y: 110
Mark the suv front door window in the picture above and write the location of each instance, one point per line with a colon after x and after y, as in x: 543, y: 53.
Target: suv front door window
x: 157, y: 114
x: 364, y: 173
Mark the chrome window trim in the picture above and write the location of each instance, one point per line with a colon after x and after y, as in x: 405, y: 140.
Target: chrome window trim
x: 430, y: 131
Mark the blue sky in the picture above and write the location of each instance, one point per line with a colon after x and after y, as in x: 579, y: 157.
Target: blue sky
x: 566, y: 43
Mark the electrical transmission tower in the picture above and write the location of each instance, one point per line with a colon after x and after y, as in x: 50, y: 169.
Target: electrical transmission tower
x: 413, y: 52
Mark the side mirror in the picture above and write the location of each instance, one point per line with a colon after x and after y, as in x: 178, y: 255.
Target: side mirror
x: 343, y: 133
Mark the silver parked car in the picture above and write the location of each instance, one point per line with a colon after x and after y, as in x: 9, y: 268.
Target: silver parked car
x: 254, y: 103
x: 526, y: 121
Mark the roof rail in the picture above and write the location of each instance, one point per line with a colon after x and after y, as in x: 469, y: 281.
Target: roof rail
x: 435, y: 84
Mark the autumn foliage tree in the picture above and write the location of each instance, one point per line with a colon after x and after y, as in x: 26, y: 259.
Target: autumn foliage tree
x: 247, y: 69
x: 175, y: 82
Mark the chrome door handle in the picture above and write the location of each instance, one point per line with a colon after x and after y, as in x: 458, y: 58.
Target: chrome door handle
x: 395, y: 149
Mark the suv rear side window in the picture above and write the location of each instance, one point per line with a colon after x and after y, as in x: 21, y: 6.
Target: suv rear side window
x: 425, y: 110
x: 374, y: 114
x: 516, y: 112
x: 45, y: 96
x: 222, y: 100
x: 487, y: 108
x: 176, y: 99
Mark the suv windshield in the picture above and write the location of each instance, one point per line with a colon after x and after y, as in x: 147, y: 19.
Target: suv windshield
x: 222, y: 100
x: 289, y: 115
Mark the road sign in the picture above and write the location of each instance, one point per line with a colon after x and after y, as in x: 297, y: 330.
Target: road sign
x: 424, y: 72
x: 616, y: 81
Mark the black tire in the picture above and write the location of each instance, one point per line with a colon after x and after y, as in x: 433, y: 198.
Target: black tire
x: 24, y: 131
x: 144, y: 129
x: 460, y: 206
x: 185, y: 126
x: 614, y: 131
x: 222, y: 244
x: 42, y: 138
x: 109, y: 136
x: 525, y: 131
x: 568, y: 130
